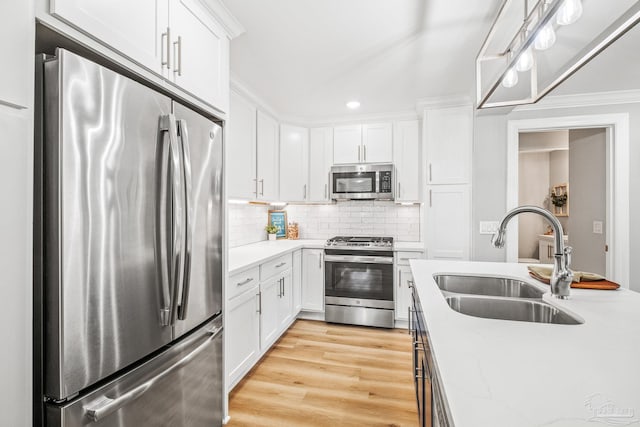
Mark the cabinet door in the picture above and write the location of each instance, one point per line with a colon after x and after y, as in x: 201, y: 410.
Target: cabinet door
x: 448, y: 222
x: 241, y: 149
x: 243, y: 334
x: 406, y: 158
x: 267, y: 149
x: 16, y: 261
x: 403, y: 292
x: 133, y: 28
x: 347, y: 144
x: 449, y: 137
x: 294, y: 160
x: 285, y: 303
x: 296, y: 275
x: 546, y: 251
x: 377, y: 143
x: 16, y: 45
x: 320, y: 161
x: 313, y: 279
x: 200, y: 53
x: 269, y: 309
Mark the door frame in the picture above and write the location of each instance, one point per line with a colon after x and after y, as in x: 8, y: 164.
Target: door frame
x: 617, y: 223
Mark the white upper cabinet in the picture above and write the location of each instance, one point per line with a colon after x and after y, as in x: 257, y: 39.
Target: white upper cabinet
x: 372, y: 143
x: 16, y: 45
x: 449, y: 139
x: 406, y: 158
x: 200, y: 52
x: 294, y: 160
x: 320, y: 161
x: 136, y: 29
x: 177, y: 39
x: 448, y: 222
x: 377, y: 143
x: 267, y: 140
x: 347, y: 144
x: 241, y: 149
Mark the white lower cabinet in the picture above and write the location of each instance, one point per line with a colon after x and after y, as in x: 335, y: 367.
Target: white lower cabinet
x: 296, y: 282
x: 285, y: 302
x: 243, y: 326
x: 269, y: 311
x: 403, y: 291
x: 313, y: 279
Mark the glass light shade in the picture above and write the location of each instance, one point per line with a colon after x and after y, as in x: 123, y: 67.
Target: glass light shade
x: 525, y: 61
x: 510, y: 79
x: 569, y: 12
x: 546, y: 37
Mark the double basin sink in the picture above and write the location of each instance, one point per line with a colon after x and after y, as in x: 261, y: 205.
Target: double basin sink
x: 500, y: 298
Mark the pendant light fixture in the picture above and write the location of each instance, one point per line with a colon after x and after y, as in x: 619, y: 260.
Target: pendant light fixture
x: 525, y: 61
x: 569, y: 12
x: 546, y: 37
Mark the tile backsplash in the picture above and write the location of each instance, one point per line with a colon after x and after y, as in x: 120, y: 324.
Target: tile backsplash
x: 362, y: 218
x: 246, y: 224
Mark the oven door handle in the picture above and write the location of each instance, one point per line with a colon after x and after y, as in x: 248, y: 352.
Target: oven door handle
x: 359, y: 259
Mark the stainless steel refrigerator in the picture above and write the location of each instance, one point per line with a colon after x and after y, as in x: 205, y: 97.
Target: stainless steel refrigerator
x: 131, y: 253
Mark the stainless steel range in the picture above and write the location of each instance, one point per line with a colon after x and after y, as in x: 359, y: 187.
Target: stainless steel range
x: 358, y: 281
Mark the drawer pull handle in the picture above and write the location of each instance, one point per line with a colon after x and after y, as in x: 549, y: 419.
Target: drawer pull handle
x: 249, y: 280
x: 281, y: 264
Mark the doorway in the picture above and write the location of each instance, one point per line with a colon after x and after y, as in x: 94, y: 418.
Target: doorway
x: 616, y: 228
x: 565, y: 172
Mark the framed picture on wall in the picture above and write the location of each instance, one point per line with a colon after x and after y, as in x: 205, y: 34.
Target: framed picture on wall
x: 279, y: 219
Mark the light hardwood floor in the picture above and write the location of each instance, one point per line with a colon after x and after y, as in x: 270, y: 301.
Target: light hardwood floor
x: 320, y: 374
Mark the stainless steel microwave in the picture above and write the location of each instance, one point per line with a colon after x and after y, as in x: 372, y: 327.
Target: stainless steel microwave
x: 362, y: 182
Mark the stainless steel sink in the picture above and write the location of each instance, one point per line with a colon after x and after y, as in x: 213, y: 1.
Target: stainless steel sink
x: 524, y: 310
x: 490, y: 286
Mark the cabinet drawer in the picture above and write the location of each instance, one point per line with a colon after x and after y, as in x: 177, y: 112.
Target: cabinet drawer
x: 242, y: 281
x: 273, y: 267
x: 402, y: 258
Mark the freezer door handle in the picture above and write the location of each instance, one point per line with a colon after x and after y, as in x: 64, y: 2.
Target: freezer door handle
x: 188, y: 191
x: 106, y: 405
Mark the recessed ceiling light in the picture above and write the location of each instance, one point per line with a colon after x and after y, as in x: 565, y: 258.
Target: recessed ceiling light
x: 353, y: 104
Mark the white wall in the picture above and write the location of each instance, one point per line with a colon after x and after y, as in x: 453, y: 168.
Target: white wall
x: 490, y: 168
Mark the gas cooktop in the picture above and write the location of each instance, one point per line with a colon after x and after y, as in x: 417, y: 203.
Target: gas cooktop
x: 360, y: 242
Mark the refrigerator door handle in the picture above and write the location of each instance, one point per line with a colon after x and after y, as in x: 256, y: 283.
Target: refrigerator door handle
x: 107, y: 405
x: 188, y: 189
x: 177, y: 239
x: 162, y: 226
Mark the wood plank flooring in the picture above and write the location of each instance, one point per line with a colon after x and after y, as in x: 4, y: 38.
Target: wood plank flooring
x: 320, y: 374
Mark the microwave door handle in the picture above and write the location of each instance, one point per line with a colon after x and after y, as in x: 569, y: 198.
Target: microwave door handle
x: 177, y: 254
x: 188, y: 244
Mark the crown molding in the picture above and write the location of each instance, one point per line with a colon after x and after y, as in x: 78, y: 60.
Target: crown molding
x: 592, y: 99
x: 442, y: 102
x: 230, y: 23
x: 243, y: 90
x: 392, y: 116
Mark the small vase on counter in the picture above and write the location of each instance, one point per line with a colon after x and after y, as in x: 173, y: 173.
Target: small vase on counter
x: 272, y: 237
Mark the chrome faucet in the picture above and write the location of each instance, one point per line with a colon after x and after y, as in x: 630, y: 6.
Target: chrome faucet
x: 562, y: 276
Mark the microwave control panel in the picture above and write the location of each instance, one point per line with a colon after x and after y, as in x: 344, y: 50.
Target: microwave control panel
x: 385, y: 182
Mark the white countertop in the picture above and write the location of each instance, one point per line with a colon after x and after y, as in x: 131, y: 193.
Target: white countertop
x: 550, y: 237
x: 508, y: 373
x: 247, y: 256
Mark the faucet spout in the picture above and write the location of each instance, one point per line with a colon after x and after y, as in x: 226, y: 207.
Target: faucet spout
x: 562, y: 276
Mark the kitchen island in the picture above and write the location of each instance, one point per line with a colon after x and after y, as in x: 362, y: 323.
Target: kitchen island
x: 513, y: 373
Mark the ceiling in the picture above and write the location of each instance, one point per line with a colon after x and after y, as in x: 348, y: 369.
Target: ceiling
x: 307, y: 58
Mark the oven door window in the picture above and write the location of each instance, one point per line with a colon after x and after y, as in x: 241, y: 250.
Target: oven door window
x: 356, y: 280
x: 354, y: 182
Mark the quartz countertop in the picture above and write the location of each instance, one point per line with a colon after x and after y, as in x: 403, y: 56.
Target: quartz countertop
x: 247, y: 256
x: 508, y: 373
